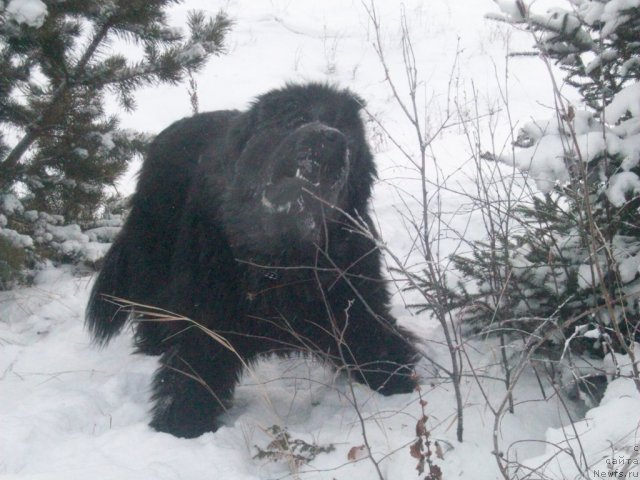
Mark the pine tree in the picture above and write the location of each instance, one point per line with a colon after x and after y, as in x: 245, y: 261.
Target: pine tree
x: 59, y: 149
x: 569, y: 269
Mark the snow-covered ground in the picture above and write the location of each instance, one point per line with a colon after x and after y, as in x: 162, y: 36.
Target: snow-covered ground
x: 69, y: 410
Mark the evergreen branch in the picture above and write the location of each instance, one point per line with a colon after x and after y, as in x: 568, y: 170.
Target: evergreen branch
x: 34, y: 130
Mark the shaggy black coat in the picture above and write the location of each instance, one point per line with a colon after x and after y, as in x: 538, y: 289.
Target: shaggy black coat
x: 238, y: 223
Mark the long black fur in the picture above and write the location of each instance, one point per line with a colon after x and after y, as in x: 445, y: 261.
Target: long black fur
x: 237, y: 223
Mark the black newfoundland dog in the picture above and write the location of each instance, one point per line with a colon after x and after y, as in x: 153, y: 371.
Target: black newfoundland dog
x: 242, y: 222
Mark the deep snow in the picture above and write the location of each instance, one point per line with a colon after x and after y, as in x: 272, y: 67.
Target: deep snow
x: 69, y: 410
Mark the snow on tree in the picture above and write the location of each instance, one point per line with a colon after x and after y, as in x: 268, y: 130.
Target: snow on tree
x: 568, y: 269
x: 59, y: 150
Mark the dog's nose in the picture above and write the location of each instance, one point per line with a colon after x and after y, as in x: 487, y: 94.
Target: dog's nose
x: 331, y: 135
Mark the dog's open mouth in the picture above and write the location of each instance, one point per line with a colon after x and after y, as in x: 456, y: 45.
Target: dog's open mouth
x: 291, y: 194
